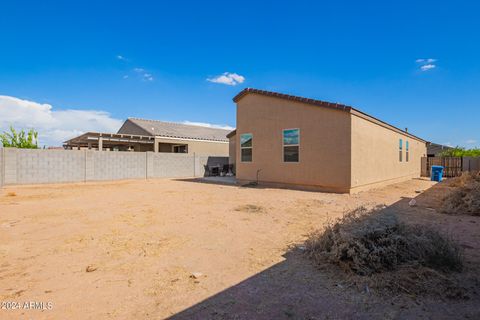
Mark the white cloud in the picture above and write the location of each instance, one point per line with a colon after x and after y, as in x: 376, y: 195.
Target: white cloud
x: 427, y: 67
x: 230, y: 79
x: 120, y: 57
x: 145, y: 76
x: 125, y: 77
x: 208, y: 125
x: 471, y: 141
x: 53, y: 126
x: 430, y: 60
x: 426, y: 64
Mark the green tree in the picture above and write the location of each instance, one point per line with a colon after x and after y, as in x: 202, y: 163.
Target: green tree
x: 461, y: 152
x: 22, y: 139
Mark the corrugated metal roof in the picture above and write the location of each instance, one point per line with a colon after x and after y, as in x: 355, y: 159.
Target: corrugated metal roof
x: 436, y: 149
x: 179, y: 130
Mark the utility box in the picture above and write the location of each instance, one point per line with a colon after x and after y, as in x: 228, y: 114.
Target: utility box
x: 437, y: 173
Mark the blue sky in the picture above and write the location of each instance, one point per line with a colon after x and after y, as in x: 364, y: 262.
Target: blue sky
x: 89, y: 65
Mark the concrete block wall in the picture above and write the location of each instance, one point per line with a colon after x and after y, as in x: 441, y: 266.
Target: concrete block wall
x: 10, y: 166
x: 116, y: 165
x: 171, y: 165
x: 200, y: 162
x: 29, y: 166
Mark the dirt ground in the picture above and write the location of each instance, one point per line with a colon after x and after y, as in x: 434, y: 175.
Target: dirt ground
x: 188, y: 250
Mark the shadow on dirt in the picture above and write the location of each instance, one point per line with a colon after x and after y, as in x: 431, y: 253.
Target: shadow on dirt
x: 296, y: 289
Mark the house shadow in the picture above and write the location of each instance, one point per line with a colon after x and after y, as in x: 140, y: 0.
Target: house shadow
x: 297, y: 289
x: 291, y: 289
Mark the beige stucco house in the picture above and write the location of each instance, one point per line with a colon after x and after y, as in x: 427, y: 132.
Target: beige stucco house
x: 157, y: 136
x: 283, y: 140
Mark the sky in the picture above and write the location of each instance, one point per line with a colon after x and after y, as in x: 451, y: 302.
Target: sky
x: 67, y: 67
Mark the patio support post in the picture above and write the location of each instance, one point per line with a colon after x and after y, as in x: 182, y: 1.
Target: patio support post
x: 100, y: 144
x: 155, y: 144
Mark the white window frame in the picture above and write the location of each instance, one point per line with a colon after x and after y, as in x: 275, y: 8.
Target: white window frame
x: 240, y: 143
x: 290, y: 145
x: 400, y: 150
x: 407, y: 151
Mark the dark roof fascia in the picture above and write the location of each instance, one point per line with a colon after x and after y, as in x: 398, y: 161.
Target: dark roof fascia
x: 232, y: 133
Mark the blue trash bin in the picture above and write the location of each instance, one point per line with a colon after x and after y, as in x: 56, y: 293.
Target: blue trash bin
x: 437, y: 173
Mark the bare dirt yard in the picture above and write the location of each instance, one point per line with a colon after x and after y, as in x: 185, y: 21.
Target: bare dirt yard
x: 188, y: 250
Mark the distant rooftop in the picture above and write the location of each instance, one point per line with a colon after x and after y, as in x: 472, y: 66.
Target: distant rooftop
x: 173, y: 130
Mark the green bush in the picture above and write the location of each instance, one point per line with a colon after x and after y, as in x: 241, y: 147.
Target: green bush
x: 22, y: 139
x: 461, y: 152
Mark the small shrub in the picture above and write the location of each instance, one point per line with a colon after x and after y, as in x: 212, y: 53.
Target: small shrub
x: 369, y: 241
x: 465, y: 198
x: 461, y: 152
x: 19, y: 139
x: 251, y: 208
x: 11, y: 194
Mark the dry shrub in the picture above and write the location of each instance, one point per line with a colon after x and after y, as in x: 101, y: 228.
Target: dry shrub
x: 11, y: 194
x: 421, y: 281
x: 251, y: 208
x: 368, y: 241
x: 465, y: 198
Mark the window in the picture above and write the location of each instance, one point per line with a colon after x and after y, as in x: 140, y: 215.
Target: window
x: 400, y: 147
x: 291, y: 145
x: 246, y: 147
x: 406, y: 151
x: 180, y: 149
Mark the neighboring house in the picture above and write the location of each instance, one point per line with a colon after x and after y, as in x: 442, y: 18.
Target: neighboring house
x: 434, y: 149
x: 284, y: 140
x: 158, y: 136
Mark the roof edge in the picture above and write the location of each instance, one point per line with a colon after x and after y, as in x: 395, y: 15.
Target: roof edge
x: 232, y: 133
x: 331, y: 105
x: 175, y: 123
x: 337, y: 106
x: 129, y: 120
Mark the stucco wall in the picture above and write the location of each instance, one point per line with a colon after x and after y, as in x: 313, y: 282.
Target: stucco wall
x: 212, y: 148
x: 232, y: 150
x: 324, y: 143
x: 26, y: 166
x: 375, y: 155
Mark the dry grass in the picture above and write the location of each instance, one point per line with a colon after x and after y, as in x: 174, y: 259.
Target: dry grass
x: 250, y: 208
x: 465, y: 198
x: 11, y: 194
x: 375, y: 247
